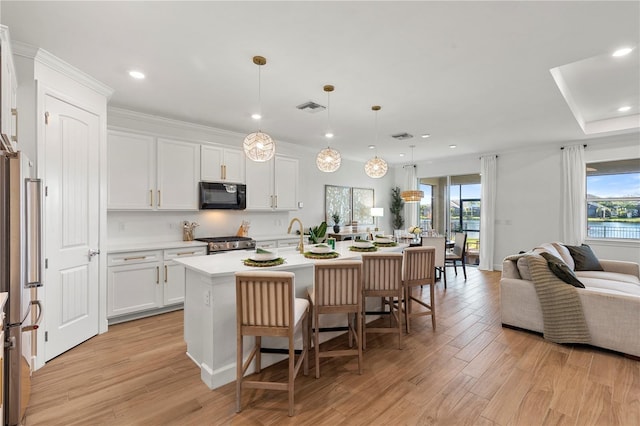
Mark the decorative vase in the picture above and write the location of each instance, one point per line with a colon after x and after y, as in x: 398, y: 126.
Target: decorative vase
x: 336, y: 228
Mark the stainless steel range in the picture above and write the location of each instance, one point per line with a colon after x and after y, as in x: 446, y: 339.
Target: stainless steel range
x: 221, y: 244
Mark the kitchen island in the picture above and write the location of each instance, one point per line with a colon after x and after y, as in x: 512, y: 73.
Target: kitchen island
x: 210, y: 308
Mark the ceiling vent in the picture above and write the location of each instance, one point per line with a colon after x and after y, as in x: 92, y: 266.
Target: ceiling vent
x: 311, y: 107
x: 402, y: 136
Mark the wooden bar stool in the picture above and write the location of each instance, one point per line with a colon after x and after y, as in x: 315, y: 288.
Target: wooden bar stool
x: 419, y: 270
x: 382, y: 277
x: 266, y: 306
x: 337, y: 289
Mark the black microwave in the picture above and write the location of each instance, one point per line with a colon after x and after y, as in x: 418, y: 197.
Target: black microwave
x: 220, y: 195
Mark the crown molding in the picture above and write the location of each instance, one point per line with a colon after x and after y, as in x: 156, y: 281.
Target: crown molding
x: 45, y: 58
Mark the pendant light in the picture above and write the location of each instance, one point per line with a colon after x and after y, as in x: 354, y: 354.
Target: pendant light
x: 328, y: 160
x: 412, y: 195
x: 259, y: 146
x: 376, y: 167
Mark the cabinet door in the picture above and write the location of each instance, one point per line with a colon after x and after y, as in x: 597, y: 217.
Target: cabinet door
x: 178, y: 175
x: 259, y: 185
x: 211, y: 163
x: 133, y: 288
x: 286, y: 183
x: 130, y: 171
x: 173, y: 283
x: 234, y: 166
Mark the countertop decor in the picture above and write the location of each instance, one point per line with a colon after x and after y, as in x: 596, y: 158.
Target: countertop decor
x: 363, y: 249
x: 320, y: 256
x: 263, y: 263
x: 379, y: 244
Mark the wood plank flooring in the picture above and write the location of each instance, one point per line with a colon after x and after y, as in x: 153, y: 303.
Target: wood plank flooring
x: 471, y: 371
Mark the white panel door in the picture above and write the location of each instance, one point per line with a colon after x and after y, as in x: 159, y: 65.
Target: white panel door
x: 178, y: 175
x: 71, y: 224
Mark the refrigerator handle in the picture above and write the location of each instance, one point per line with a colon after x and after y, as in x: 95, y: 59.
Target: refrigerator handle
x: 36, y: 325
x: 34, y: 240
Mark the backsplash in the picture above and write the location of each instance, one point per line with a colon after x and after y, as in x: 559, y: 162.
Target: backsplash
x: 131, y: 227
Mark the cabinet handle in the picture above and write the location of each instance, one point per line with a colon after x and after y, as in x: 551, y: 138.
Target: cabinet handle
x: 151, y: 198
x: 126, y: 259
x: 157, y: 275
x: 185, y: 253
x: 165, y: 273
x: 14, y: 112
x: 221, y: 171
x: 276, y: 203
x: 158, y: 198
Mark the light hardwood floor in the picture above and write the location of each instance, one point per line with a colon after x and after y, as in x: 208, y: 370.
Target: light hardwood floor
x: 470, y: 371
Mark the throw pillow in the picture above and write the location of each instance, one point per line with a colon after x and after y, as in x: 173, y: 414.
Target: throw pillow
x: 584, y: 258
x: 561, y: 270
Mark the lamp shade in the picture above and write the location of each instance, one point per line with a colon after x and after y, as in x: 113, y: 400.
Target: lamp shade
x: 377, y: 211
x: 412, y: 196
x: 328, y: 160
x: 376, y: 167
x: 259, y: 146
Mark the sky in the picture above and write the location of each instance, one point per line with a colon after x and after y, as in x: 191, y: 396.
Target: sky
x: 607, y: 186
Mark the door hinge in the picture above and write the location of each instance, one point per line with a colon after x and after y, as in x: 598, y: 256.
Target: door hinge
x: 46, y: 117
x: 46, y: 263
x: 46, y: 336
x: 46, y: 191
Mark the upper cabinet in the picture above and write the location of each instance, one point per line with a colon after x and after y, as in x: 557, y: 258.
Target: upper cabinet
x: 149, y: 174
x: 272, y: 185
x: 8, y: 89
x: 219, y: 164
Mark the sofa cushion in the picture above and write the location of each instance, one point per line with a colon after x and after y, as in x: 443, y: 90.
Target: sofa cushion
x: 611, y: 276
x: 599, y: 283
x: 561, y: 270
x: 549, y: 248
x: 584, y: 258
x: 523, y: 269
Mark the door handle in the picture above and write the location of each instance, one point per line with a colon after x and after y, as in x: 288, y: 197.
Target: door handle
x: 93, y: 252
x: 165, y: 273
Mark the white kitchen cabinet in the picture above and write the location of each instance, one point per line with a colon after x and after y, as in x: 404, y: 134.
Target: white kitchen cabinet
x: 8, y: 89
x: 272, y: 185
x: 173, y: 276
x: 178, y: 175
x: 134, y: 283
x: 293, y: 242
x: 148, y: 174
x: 218, y: 164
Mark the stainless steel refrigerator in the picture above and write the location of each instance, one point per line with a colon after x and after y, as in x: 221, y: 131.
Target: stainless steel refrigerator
x: 20, y: 275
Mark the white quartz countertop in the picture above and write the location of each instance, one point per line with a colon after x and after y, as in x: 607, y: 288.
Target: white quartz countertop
x: 275, y: 237
x: 230, y: 262
x: 152, y: 245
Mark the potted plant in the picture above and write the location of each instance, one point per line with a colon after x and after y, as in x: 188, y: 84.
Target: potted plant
x: 397, y: 204
x: 336, y: 222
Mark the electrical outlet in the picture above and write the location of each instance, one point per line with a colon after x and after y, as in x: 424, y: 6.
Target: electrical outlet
x: 207, y: 298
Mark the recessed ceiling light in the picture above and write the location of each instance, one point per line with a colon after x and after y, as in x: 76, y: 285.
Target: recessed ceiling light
x: 372, y: 147
x: 137, y: 75
x: 622, y: 52
x: 328, y: 135
x: 624, y: 108
x: 426, y: 135
x: 256, y: 116
x: 452, y: 146
x: 402, y: 154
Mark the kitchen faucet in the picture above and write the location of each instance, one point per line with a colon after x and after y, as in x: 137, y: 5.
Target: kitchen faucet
x: 301, y: 243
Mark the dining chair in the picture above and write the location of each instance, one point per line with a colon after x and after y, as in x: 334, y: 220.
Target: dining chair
x: 337, y: 289
x: 440, y: 245
x: 457, y: 254
x: 382, y: 278
x: 266, y: 306
x: 419, y: 270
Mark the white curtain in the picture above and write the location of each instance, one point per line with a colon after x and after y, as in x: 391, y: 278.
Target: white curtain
x: 488, y: 179
x: 411, y: 209
x: 573, y: 195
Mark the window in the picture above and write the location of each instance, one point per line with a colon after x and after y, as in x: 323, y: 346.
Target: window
x: 613, y: 200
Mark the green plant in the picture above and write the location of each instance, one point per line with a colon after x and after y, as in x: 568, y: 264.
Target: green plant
x: 396, y: 207
x: 317, y: 233
x: 336, y: 218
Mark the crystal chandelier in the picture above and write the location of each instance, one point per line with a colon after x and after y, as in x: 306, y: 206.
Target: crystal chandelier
x: 328, y: 160
x: 259, y: 146
x: 376, y: 167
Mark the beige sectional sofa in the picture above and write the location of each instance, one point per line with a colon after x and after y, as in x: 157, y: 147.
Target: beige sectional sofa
x: 610, y: 300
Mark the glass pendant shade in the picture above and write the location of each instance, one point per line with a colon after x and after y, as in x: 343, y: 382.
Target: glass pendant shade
x: 328, y: 160
x: 376, y: 167
x: 412, y: 196
x: 259, y: 146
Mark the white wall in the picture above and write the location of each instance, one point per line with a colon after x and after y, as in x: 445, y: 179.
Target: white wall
x: 529, y: 193
x: 165, y: 226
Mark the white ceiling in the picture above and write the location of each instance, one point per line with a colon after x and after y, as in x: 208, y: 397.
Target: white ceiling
x: 474, y: 74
